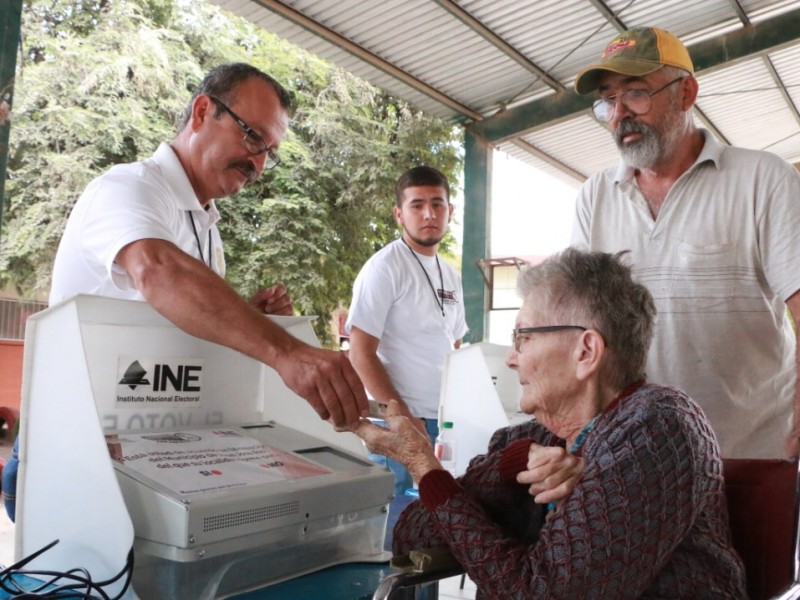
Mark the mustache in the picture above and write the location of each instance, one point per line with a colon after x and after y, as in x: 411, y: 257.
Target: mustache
x: 628, y: 126
x: 245, y: 167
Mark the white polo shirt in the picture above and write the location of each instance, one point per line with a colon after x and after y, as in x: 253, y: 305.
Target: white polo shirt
x: 721, y: 259
x: 148, y: 199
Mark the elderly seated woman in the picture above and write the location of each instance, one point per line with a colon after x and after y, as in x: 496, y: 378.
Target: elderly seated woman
x: 646, y: 516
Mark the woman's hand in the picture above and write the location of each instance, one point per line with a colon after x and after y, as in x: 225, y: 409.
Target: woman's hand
x: 551, y: 474
x: 402, y: 441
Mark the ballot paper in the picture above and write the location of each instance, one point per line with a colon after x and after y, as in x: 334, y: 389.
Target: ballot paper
x: 196, y: 461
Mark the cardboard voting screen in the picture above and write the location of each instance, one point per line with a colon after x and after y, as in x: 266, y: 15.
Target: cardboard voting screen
x: 93, y: 365
x: 480, y: 394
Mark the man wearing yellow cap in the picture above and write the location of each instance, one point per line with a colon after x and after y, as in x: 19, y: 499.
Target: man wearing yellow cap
x: 714, y: 233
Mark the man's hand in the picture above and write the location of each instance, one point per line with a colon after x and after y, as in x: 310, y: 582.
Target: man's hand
x: 327, y: 381
x: 552, y: 473
x: 402, y: 441
x: 273, y: 300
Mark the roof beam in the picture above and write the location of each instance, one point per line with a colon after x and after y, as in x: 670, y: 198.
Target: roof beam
x: 541, y: 155
x: 740, y: 12
x: 747, y: 42
x: 329, y: 35
x: 609, y: 15
x: 709, y: 124
x: 498, y: 42
x: 766, y: 36
x: 782, y: 88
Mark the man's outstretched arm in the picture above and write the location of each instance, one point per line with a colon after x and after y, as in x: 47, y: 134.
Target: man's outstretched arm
x: 201, y: 303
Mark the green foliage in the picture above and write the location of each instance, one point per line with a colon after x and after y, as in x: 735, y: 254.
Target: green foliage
x: 105, y: 82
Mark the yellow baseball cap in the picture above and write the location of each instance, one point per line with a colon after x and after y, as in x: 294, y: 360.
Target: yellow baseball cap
x: 638, y: 51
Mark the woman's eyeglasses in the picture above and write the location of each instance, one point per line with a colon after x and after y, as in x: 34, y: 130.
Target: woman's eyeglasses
x: 516, y: 340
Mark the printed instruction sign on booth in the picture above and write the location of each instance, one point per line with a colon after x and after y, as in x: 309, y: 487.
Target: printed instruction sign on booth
x: 195, y: 461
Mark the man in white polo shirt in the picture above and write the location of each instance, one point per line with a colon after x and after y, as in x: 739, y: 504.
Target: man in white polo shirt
x: 147, y: 231
x: 713, y: 234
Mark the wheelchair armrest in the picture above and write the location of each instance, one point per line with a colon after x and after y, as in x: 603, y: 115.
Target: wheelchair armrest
x: 398, y: 581
x: 790, y: 593
x: 418, y: 566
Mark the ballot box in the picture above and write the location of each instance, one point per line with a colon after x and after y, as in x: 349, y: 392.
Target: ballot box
x: 479, y: 395
x: 135, y: 436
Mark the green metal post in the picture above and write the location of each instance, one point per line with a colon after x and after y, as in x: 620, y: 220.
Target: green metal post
x: 10, y: 23
x: 477, y: 232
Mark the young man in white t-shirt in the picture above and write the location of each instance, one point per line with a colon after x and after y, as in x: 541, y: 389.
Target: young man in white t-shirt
x: 407, y: 310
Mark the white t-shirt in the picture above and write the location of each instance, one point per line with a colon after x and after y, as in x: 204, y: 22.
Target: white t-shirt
x: 148, y: 199
x: 394, y: 302
x: 721, y: 259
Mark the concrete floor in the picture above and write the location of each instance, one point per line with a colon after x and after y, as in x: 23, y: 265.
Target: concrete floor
x: 6, y: 540
x: 449, y: 589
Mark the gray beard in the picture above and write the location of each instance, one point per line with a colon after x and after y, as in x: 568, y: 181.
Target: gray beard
x: 644, y: 153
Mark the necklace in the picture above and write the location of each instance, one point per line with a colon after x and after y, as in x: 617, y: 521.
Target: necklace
x: 576, y: 445
x: 439, y: 304
x: 199, y: 246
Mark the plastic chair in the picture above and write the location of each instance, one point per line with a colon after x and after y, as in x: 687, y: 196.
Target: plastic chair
x: 763, y: 505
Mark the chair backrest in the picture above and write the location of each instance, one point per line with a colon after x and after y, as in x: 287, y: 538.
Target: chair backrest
x: 763, y: 508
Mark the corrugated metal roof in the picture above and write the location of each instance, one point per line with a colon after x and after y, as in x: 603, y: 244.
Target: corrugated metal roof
x: 474, y: 60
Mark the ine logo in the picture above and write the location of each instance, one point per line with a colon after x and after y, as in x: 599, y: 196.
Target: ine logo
x: 134, y: 375
x: 180, y: 378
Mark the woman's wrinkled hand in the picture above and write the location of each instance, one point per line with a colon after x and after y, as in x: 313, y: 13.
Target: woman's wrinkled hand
x: 551, y: 473
x: 401, y: 440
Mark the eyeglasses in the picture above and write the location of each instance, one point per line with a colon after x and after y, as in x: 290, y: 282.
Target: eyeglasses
x: 254, y: 143
x: 516, y: 340
x: 637, y: 101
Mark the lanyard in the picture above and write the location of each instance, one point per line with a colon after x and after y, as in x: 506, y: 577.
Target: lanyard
x: 439, y: 302
x: 199, y: 246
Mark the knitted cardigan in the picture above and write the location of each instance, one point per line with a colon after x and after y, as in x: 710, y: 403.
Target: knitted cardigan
x: 647, y: 519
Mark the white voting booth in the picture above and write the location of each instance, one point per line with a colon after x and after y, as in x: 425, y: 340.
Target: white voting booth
x: 479, y: 394
x: 222, y: 480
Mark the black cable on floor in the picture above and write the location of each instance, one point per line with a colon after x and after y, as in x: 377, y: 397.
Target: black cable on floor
x: 75, y: 584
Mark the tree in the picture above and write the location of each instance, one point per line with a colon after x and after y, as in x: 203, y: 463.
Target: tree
x: 98, y: 87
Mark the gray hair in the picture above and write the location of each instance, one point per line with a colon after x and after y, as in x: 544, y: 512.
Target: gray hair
x: 674, y: 72
x: 596, y: 290
x: 222, y: 81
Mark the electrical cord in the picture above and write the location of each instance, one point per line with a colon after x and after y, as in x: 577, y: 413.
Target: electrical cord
x: 75, y: 584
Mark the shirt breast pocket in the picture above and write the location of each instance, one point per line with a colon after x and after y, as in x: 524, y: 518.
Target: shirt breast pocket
x: 707, y: 273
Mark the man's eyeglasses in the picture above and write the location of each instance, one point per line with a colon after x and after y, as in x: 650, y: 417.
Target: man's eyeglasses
x: 254, y: 143
x: 637, y: 101
x: 516, y: 340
